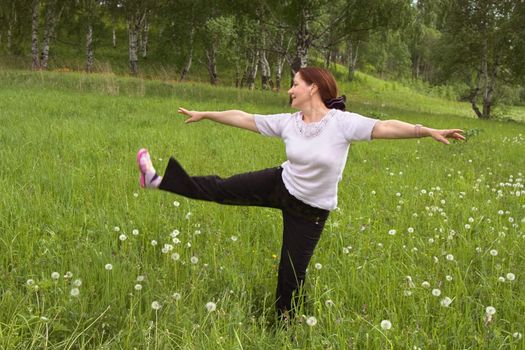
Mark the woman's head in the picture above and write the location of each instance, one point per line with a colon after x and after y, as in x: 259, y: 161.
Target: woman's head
x: 321, y: 81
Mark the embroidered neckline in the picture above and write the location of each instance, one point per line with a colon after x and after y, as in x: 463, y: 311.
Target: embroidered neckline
x: 312, y: 129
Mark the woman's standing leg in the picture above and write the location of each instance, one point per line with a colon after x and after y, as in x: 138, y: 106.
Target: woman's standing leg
x: 300, y: 237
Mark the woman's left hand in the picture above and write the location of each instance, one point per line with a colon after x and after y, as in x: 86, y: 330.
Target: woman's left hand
x: 443, y: 135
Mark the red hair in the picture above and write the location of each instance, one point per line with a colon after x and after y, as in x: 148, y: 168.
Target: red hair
x: 324, y: 80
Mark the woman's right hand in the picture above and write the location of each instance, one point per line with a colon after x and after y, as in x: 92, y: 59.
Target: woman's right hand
x: 194, y: 116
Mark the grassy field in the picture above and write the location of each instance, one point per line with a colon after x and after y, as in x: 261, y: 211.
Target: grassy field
x: 89, y: 260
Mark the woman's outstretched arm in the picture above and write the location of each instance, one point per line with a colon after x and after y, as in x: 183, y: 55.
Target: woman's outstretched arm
x: 235, y: 118
x: 395, y: 129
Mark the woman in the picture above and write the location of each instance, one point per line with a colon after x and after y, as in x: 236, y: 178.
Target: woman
x: 304, y: 187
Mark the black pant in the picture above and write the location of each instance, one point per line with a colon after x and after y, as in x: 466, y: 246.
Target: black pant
x: 302, y: 223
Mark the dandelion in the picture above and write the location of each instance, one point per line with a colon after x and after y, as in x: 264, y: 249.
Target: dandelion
x: 68, y: 275
x: 311, y: 321
x: 407, y: 293
x: 210, y: 306
x: 233, y: 238
x: 517, y: 335
x: 176, y: 204
x: 490, y: 310
x: 140, y: 278
x: 188, y: 215
x: 471, y: 220
x: 318, y: 266
x: 448, y: 278
x: 425, y: 284
x: 501, y: 279
x: 431, y: 240
x: 436, y: 292
x: 329, y: 303
x: 197, y: 232
x: 493, y: 252
x: 346, y: 250
x: 77, y: 283
x: 44, y: 319
x: 511, y: 276
x: 188, y: 245
x: 450, y: 257
x: 467, y: 227
x: 153, y: 242
x: 373, y: 193
x: 138, y: 287
x: 478, y: 250
x: 108, y: 267
x: 30, y: 282
x: 410, y: 230
x: 116, y: 229
x: 501, y: 212
x: 55, y: 276
x: 174, y: 233
x: 386, y: 325
x: 156, y: 305
x: 135, y: 194
x: 175, y: 256
x: 176, y: 296
x: 122, y: 237
x: 392, y: 232
x: 74, y: 292
x: 446, y: 301
x: 175, y: 240
x: 135, y: 232
x: 194, y: 260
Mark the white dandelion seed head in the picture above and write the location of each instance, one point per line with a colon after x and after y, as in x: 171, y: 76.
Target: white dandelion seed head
x: 175, y: 256
x: 176, y: 204
x: 154, y: 243
x: 386, y: 325
x: 517, y: 335
x: 135, y: 232
x: 471, y: 220
x: 448, y: 278
x: 233, y: 238
x: 407, y: 293
x: 425, y: 284
x: 436, y: 292
x: 55, y: 276
x: 311, y: 321
x: 450, y: 257
x: 44, y: 319
x: 116, y: 229
x: 398, y: 194
x: 436, y: 259
x: 478, y: 250
x: 446, y: 301
x: 188, y: 245
x: 138, y: 287
x: 135, y: 194
x: 74, y: 292
x: 108, y: 267
x: 68, y: 275
x: 431, y: 240
x: 490, y: 310
x: 346, y: 250
x: 329, y: 303
x: 174, y: 233
x: 198, y: 232
x: 511, y: 276
x: 188, y: 215
x: 30, y: 282
x: 373, y: 193
x: 318, y: 266
x: 467, y: 227
x: 156, y: 305
x: 493, y: 252
x: 410, y: 230
x: 122, y: 237
x: 140, y: 278
x: 176, y: 296
x: 175, y: 240
x: 501, y: 212
x: 392, y: 232
x: 211, y: 306
x: 194, y: 260
x: 164, y: 250
x: 77, y: 282
x: 501, y: 279
x: 168, y: 247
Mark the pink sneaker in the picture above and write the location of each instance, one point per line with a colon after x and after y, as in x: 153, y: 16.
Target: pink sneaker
x: 143, y: 163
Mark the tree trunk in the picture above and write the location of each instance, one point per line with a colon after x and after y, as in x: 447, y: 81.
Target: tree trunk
x: 49, y: 32
x: 89, y: 48
x: 34, y: 34
x: 9, y: 40
x: 145, y: 37
x: 114, y: 38
x: 280, y: 61
x: 211, y: 54
x: 353, y: 49
x: 133, y: 29
x: 187, y: 66
x: 266, y: 74
x: 302, y: 37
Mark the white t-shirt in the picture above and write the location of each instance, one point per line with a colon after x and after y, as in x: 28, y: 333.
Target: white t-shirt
x: 316, y: 152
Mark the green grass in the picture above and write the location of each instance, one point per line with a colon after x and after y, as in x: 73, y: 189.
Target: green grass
x: 68, y: 180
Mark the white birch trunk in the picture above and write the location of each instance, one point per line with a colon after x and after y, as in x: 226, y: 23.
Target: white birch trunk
x: 34, y: 34
x: 114, y: 38
x: 89, y: 48
x: 145, y: 38
x: 211, y: 54
x: 49, y: 32
x: 266, y: 74
x: 133, y: 29
x: 186, y: 68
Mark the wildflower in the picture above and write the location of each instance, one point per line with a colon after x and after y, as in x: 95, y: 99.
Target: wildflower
x: 175, y: 240
x: 188, y: 215
x: 77, y: 283
x: 501, y: 212
x: 448, y: 278
x: 116, y: 229
x: 197, y: 232
x: 68, y: 274
x: 467, y: 227
x: 174, y: 233
x: 490, y: 310
x: 109, y: 267
x: 478, y: 250
x: 156, y: 305
x: 44, y: 319
x: 138, y: 287
x: 431, y: 240
x: 175, y: 256
x: 318, y: 266
x: 329, y: 303
x: 386, y: 325
x: 233, y: 238
x: 450, y: 257
x: 122, y: 237
x: 392, y: 232
x: 501, y: 279
x: 471, y: 220
x: 176, y: 296
x: 346, y: 250
x: 517, y: 335
x: 410, y: 230
x: 30, y: 282
x: 311, y: 321
x: 188, y: 245
x: 194, y: 260
x: 436, y: 292
x: 140, y: 278
x: 511, y: 276
x: 135, y: 232
x: 55, y: 276
x: 407, y: 293
x: 176, y: 204
x: 135, y: 194
x: 210, y: 306
x: 74, y: 292
x: 446, y: 301
x: 425, y: 284
x: 493, y: 252
x: 153, y: 242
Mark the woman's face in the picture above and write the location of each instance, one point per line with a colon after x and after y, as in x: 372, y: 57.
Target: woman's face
x: 300, y: 92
